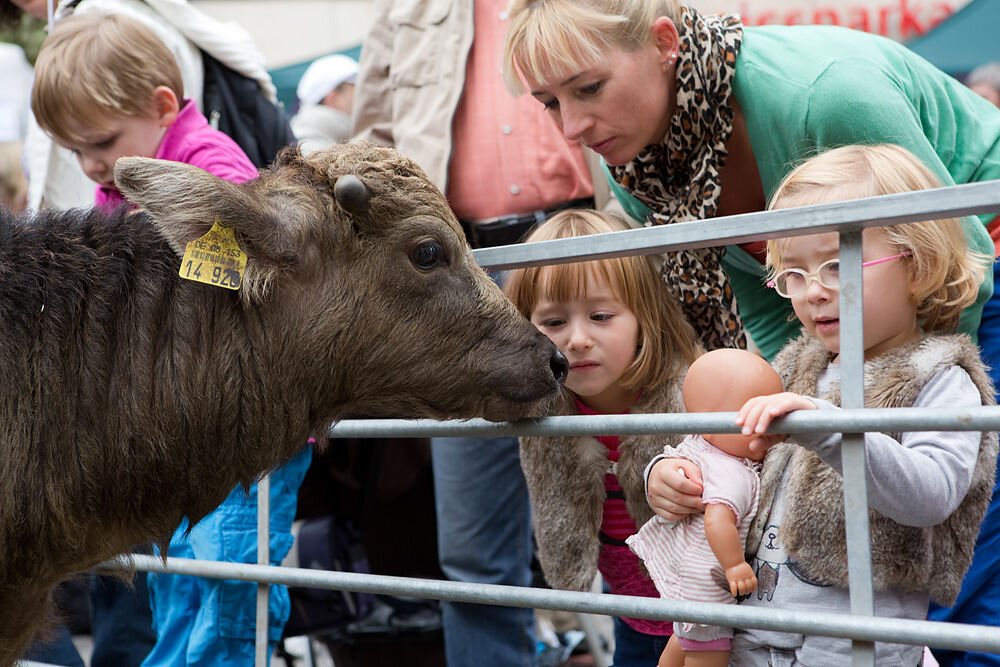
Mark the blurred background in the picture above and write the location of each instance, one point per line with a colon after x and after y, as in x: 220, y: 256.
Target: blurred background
x: 955, y: 35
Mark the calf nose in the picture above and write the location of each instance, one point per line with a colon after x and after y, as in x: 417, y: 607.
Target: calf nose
x: 559, y: 366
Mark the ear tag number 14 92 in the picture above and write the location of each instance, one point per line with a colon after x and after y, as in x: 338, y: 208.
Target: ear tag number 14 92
x: 215, y: 259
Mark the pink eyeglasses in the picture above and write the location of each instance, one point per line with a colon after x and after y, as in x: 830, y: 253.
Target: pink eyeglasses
x: 792, y: 282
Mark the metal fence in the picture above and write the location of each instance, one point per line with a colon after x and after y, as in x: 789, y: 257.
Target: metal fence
x: 847, y: 218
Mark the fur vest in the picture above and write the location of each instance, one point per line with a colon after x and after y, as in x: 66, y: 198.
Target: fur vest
x: 904, y: 558
x: 565, y: 478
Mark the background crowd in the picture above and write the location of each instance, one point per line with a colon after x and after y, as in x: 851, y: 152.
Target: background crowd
x: 643, y: 110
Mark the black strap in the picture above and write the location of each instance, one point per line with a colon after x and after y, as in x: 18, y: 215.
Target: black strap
x: 511, y: 229
x: 610, y: 541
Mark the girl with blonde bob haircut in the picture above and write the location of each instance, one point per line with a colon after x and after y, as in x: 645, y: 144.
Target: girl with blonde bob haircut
x: 945, y: 273
x: 628, y: 347
x: 667, y: 341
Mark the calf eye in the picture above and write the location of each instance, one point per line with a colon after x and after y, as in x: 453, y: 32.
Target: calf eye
x: 427, y: 255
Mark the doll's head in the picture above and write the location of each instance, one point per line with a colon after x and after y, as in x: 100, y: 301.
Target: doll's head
x: 722, y: 381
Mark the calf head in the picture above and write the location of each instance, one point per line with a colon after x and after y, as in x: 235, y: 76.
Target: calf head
x: 356, y: 258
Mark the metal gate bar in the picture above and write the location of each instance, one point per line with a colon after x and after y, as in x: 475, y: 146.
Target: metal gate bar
x: 982, y: 418
x: 903, y: 631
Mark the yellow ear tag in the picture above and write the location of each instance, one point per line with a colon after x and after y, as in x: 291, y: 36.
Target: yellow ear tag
x: 215, y: 259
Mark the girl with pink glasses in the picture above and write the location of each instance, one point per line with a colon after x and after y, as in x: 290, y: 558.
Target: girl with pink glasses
x: 928, y: 491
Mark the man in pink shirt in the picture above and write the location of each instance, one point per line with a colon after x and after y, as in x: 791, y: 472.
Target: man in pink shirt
x: 431, y: 86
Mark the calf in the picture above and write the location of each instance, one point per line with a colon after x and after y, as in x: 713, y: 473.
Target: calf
x: 131, y: 397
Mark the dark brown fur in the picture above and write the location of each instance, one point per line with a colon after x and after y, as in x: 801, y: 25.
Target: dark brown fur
x: 130, y: 398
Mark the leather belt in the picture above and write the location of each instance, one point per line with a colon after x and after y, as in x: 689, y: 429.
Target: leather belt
x: 510, y: 229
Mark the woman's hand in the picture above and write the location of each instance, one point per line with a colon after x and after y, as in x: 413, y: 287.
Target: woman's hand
x: 674, y: 487
x: 758, y: 413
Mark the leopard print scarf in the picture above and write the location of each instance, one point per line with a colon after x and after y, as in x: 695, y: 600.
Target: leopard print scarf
x: 678, y: 179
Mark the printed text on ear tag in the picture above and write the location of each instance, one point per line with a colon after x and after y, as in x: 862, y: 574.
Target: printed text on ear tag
x: 215, y: 259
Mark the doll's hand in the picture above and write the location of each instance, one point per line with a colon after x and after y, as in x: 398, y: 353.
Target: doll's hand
x: 758, y: 413
x: 741, y: 578
x: 674, y: 488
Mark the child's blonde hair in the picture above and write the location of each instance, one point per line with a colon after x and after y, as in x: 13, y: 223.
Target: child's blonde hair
x: 554, y: 38
x: 944, y: 271
x: 94, y: 66
x: 667, y: 343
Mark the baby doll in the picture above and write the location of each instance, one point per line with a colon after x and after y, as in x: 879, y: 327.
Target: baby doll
x: 701, y: 556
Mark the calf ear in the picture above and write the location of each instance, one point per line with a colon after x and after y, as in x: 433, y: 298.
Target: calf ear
x: 185, y: 201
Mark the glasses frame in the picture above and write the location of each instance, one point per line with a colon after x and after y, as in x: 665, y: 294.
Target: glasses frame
x: 773, y: 284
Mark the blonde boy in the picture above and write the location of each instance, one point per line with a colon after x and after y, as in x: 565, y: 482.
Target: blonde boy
x: 106, y: 87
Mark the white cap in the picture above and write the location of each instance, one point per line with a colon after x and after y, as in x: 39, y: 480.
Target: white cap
x: 324, y: 75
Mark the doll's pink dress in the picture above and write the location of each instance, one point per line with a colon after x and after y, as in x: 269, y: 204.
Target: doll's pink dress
x: 676, y: 553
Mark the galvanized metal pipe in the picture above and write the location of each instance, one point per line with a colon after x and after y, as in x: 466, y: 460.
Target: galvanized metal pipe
x: 948, y: 202
x: 263, y: 558
x: 903, y: 631
x: 984, y: 418
x: 852, y: 448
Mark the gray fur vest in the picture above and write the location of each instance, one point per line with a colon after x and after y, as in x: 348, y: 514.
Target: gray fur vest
x: 565, y: 478
x: 904, y: 558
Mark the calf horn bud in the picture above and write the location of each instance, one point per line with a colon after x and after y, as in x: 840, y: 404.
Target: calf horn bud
x: 352, y: 194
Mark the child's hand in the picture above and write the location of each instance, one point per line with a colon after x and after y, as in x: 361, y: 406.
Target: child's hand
x: 757, y: 413
x: 741, y: 578
x: 674, y: 488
